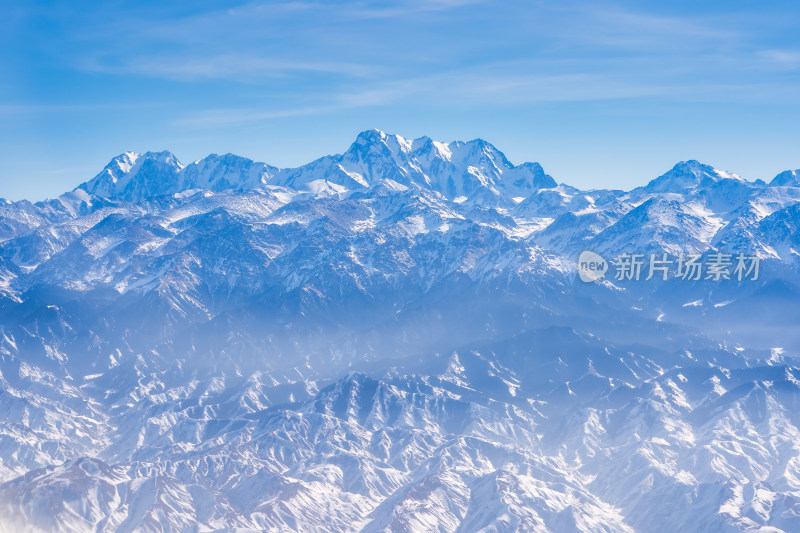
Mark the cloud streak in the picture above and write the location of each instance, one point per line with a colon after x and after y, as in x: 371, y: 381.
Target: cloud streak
x: 225, y: 66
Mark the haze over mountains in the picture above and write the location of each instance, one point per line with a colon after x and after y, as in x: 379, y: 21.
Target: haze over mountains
x: 395, y: 339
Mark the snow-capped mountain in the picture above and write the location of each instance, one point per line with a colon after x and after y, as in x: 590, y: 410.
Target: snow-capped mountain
x: 788, y: 178
x: 135, y: 177
x: 689, y: 175
x: 456, y: 170
x: 395, y: 339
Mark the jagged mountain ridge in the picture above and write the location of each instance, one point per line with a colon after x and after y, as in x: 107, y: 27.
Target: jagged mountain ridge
x: 393, y: 339
x: 455, y: 169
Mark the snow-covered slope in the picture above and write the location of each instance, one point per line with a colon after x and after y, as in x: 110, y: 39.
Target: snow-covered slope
x: 395, y: 339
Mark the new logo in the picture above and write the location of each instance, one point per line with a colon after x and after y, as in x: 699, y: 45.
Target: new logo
x: 591, y: 266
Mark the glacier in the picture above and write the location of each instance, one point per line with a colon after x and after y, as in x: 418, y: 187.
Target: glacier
x: 395, y: 338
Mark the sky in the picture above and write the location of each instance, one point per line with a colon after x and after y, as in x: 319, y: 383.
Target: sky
x: 601, y: 93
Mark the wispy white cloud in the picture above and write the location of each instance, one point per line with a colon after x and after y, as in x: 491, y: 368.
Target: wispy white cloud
x: 243, y: 67
x: 33, y: 109
x: 787, y: 58
x: 317, y: 57
x: 263, y: 41
x: 642, y: 31
x: 505, y: 84
x: 216, y: 118
x: 405, y: 9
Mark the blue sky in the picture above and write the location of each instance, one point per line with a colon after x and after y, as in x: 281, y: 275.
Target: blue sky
x: 600, y: 93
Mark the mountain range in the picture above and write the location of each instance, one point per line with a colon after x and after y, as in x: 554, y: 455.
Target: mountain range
x: 396, y: 339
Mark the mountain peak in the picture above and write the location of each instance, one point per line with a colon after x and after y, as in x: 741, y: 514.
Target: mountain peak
x: 370, y: 135
x: 378, y: 142
x: 127, y: 160
x: 687, y: 175
x: 473, y: 169
x: 132, y: 176
x: 787, y: 178
x: 163, y: 156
